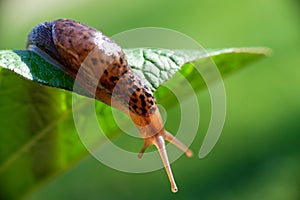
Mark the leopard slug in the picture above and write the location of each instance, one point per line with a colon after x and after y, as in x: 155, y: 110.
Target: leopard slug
x: 71, y: 45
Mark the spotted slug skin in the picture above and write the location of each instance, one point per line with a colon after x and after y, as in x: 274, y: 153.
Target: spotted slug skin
x: 104, y: 72
x: 70, y: 42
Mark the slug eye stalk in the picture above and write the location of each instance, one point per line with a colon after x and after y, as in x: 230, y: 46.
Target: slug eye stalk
x: 159, y: 141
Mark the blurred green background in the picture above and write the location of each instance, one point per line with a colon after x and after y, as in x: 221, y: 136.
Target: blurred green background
x: 258, y: 154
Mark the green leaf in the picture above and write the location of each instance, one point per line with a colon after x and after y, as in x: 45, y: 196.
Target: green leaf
x: 38, y: 139
x: 33, y: 67
x: 25, y: 156
x: 159, y: 65
x: 155, y: 66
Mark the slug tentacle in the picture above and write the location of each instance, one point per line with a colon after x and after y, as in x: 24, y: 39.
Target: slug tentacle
x: 169, y: 137
x: 105, y: 75
x: 159, y: 142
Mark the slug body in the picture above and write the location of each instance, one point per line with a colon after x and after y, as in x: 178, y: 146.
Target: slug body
x: 100, y: 66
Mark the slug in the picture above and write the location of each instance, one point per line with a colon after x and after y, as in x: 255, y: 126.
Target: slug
x: 70, y: 45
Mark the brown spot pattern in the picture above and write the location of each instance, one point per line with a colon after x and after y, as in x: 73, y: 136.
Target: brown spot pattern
x: 133, y: 92
x: 74, y: 41
x: 75, y: 45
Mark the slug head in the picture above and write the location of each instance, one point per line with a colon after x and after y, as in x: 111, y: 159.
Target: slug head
x: 152, y: 130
